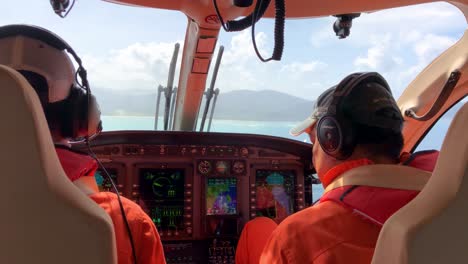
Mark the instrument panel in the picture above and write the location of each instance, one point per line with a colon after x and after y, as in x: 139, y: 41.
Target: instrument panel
x: 201, y: 188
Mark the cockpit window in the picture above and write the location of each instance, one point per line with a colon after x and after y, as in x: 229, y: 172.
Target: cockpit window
x: 127, y: 52
x: 435, y: 136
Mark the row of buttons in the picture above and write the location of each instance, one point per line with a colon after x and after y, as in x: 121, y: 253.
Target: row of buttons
x: 163, y: 150
x: 188, y: 208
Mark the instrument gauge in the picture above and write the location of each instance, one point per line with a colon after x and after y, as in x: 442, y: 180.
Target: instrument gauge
x: 204, y: 167
x: 222, y: 167
x: 238, y: 167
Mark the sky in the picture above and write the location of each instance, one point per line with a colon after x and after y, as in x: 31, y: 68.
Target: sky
x: 128, y: 49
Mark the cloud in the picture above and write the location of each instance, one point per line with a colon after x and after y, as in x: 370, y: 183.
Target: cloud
x: 431, y: 45
x: 241, y: 69
x: 400, y: 51
x: 241, y: 48
x: 427, y: 48
x: 299, y: 71
x: 239, y: 61
x: 375, y: 54
x: 297, y: 67
x: 409, y: 22
x: 140, y: 66
x: 397, y: 43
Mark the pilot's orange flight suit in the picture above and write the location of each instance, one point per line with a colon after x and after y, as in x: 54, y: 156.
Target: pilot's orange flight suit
x: 253, y: 238
x: 148, y: 246
x: 342, y: 228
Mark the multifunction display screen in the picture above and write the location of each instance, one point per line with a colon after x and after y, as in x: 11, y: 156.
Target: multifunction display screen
x: 162, y: 197
x: 221, y: 196
x: 275, y: 193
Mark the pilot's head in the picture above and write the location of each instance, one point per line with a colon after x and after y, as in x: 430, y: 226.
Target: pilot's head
x: 356, y: 119
x: 39, y: 56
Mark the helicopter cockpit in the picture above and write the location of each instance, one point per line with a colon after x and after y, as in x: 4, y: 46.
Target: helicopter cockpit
x: 200, y: 187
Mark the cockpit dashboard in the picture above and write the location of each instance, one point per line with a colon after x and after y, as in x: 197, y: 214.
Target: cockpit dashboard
x: 199, y: 189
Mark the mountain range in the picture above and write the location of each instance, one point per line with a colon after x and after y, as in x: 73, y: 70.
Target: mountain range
x: 265, y: 105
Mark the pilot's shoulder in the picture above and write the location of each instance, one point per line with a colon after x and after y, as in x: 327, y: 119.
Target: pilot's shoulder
x: 132, y: 210
x: 315, y: 214
x: 301, y: 237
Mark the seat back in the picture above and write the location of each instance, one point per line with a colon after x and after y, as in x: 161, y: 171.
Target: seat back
x: 433, y: 227
x: 45, y: 219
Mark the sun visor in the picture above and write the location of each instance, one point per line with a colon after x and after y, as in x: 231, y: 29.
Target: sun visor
x: 22, y: 53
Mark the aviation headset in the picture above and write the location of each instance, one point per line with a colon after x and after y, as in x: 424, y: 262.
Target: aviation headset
x: 335, y: 132
x: 79, y: 102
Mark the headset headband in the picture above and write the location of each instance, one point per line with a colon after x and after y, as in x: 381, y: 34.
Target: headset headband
x: 345, y: 87
x: 34, y: 32
x: 50, y: 39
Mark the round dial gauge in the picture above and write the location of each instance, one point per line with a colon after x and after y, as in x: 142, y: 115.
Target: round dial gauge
x: 222, y: 167
x: 204, y: 167
x: 238, y: 167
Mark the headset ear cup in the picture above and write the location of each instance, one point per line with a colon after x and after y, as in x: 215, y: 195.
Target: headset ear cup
x: 329, y: 135
x: 336, y: 137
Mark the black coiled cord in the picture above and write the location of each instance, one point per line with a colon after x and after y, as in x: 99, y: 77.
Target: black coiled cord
x: 280, y: 14
x: 250, y: 20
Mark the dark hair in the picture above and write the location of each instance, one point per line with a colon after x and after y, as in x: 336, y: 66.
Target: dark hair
x: 379, y: 141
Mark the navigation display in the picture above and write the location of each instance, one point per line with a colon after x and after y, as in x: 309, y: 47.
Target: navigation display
x: 103, y: 181
x: 162, y: 197
x: 275, y: 193
x: 221, y: 196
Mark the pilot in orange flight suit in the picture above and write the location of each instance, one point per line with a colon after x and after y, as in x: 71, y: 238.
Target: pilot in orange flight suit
x: 39, y: 55
x: 81, y: 168
x: 355, y: 123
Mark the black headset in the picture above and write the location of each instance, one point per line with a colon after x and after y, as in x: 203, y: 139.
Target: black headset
x: 79, y: 102
x: 335, y: 132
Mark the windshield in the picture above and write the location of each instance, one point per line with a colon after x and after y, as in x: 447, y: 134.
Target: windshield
x: 127, y: 51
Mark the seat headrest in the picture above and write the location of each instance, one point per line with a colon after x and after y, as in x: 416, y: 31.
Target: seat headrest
x: 47, y: 219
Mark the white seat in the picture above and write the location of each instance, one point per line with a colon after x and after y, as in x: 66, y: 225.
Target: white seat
x: 433, y: 227
x: 44, y: 218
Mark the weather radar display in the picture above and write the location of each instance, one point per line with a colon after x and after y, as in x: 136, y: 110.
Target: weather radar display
x: 221, y: 196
